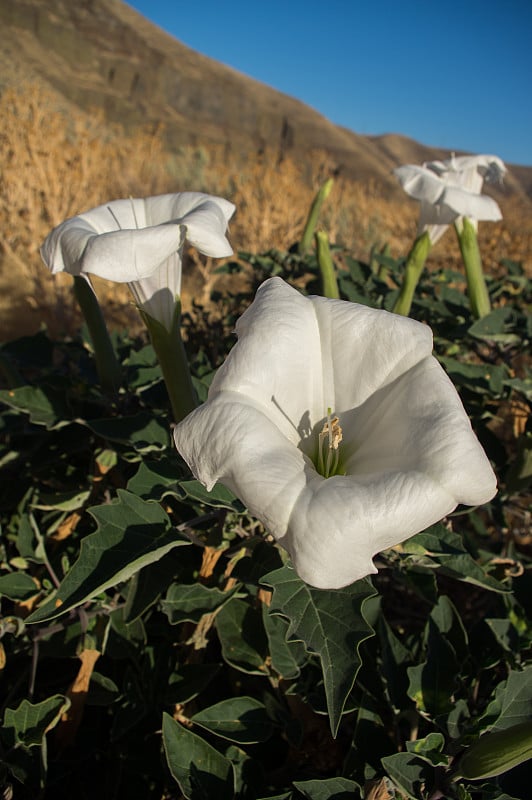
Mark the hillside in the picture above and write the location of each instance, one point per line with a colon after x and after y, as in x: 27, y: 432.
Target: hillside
x: 102, y: 53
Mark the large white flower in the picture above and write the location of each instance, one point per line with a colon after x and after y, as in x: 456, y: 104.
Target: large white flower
x: 450, y: 189
x: 314, y: 386
x: 140, y: 242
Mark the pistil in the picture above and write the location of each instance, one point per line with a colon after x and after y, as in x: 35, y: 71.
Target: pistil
x: 329, y: 440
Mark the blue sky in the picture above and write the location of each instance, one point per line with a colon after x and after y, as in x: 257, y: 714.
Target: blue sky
x: 454, y: 74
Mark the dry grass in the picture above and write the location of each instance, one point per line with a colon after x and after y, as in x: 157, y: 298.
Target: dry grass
x: 55, y: 163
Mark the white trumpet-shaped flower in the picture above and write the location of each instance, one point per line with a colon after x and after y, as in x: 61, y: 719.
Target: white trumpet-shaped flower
x: 338, y: 429
x: 451, y: 189
x: 140, y: 242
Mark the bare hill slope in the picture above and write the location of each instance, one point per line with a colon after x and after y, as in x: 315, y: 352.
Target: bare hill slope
x: 102, y: 53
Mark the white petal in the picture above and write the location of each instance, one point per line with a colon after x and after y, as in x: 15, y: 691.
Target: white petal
x: 420, y: 183
x: 409, y: 452
x: 122, y: 256
x: 363, y: 349
x: 277, y: 364
x: 331, y: 527
x: 418, y: 424
x: 204, y: 216
x: 468, y: 204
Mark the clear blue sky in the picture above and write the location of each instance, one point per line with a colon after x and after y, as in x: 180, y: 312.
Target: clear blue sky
x: 450, y: 74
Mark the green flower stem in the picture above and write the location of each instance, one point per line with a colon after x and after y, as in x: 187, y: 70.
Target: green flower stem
x: 170, y: 351
x: 312, y: 219
x: 413, y: 268
x: 479, y: 298
x: 329, y: 283
x: 106, y: 362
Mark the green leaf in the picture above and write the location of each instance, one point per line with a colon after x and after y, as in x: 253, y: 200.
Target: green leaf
x: 478, y: 378
x: 17, y: 586
x: 131, y: 534
x: 329, y: 789
x: 240, y: 719
x: 147, y: 585
x: 330, y: 623
x: 441, y: 549
x: 512, y: 703
x: 496, y: 327
x: 189, y: 602
x: 497, y: 752
x: 218, y: 497
x: 154, y: 479
x: 28, y: 723
x: 287, y: 657
x: 189, y: 681
x: 242, y: 637
x: 143, y: 431
x: 430, y: 748
x: 432, y: 682
x: 408, y: 772
x: 67, y: 501
x: 200, y: 770
x: 44, y: 405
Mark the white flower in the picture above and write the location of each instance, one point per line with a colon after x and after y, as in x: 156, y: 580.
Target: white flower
x: 451, y: 189
x: 314, y: 385
x: 140, y: 242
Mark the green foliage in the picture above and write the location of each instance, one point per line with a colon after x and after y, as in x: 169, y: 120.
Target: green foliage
x: 155, y: 644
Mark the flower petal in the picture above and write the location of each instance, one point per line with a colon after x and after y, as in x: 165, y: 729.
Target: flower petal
x: 122, y: 256
x: 469, y: 204
x: 298, y: 356
x: 204, y: 216
x: 409, y: 453
x: 331, y: 527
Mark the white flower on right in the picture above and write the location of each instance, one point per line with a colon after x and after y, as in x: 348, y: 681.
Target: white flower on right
x: 451, y: 189
x: 338, y: 429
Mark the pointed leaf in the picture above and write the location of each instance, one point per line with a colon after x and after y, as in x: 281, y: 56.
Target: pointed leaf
x: 27, y: 724
x: 200, y: 770
x: 330, y: 623
x: 188, y: 602
x: 131, y: 534
x: 240, y: 719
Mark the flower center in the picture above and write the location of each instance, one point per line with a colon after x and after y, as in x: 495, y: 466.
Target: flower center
x: 329, y: 440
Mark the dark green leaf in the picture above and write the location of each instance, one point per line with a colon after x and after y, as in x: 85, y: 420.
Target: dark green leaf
x: 17, y: 586
x: 189, y: 602
x: 408, y: 772
x: 329, y: 789
x: 154, y: 479
x: 201, y: 771
x: 189, y: 681
x: 44, y: 405
x: 239, y: 719
x: 218, y: 497
x: 131, y: 534
x: 242, y: 637
x: 28, y: 723
x: 330, y: 623
x: 143, y: 431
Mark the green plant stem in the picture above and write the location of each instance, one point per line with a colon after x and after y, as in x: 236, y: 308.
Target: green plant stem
x: 170, y: 351
x: 329, y: 284
x: 479, y: 298
x: 413, y: 268
x: 313, y: 214
x: 106, y: 362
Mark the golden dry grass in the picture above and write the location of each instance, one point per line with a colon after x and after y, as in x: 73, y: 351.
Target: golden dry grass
x: 55, y: 163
